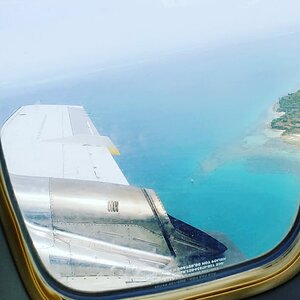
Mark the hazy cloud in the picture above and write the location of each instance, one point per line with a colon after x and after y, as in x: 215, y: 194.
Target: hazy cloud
x: 48, y: 38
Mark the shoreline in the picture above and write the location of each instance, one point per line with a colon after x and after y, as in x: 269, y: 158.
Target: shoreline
x: 284, y: 135
x: 262, y: 139
x: 272, y: 114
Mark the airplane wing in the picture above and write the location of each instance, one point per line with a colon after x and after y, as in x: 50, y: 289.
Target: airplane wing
x: 59, y: 141
x: 85, y: 220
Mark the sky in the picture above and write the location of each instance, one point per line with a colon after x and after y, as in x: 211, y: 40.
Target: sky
x: 49, y: 38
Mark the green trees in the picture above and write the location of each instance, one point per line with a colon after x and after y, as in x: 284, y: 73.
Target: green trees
x: 290, y: 121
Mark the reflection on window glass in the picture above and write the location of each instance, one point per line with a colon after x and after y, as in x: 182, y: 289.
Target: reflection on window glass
x: 162, y: 162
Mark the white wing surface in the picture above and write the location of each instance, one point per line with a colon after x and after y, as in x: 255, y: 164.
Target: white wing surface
x: 59, y: 141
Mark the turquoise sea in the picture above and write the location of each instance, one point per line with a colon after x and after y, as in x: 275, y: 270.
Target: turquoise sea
x: 174, y: 115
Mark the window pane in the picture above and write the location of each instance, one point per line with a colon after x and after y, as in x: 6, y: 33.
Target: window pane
x: 170, y: 153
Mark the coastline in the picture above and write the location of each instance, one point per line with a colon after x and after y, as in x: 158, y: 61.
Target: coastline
x: 273, y: 113
x: 260, y: 140
x: 289, y: 138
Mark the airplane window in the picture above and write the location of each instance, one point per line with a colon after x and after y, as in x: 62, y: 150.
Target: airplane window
x: 151, y: 142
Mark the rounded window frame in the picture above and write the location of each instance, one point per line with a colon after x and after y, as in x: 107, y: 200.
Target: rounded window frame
x: 238, y: 281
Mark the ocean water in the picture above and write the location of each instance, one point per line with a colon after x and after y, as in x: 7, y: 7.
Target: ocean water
x: 180, y: 122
